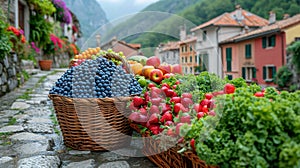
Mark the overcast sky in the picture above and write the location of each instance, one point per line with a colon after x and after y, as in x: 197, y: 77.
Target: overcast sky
x: 115, y: 9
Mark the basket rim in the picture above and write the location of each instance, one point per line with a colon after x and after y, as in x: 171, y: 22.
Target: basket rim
x: 106, y: 99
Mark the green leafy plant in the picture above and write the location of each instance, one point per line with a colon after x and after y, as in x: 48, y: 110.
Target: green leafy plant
x: 43, y: 7
x: 283, y: 77
x: 295, y: 50
x: 5, y: 44
x: 254, y: 131
x: 40, y: 30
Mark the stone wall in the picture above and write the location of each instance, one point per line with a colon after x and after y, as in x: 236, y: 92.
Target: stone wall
x: 10, y: 74
x: 61, y: 61
x: 4, y: 5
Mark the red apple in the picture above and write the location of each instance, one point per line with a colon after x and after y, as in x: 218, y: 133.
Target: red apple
x: 177, y: 69
x: 156, y: 75
x: 153, y: 61
x: 165, y: 68
x: 168, y: 75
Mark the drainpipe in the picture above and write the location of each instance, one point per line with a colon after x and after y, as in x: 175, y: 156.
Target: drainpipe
x: 17, y: 14
x: 282, y: 49
x: 218, y: 56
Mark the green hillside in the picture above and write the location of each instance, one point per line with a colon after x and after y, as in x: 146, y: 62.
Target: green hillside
x: 147, y: 19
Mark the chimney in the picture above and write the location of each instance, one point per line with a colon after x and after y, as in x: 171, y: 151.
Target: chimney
x: 182, y: 33
x: 272, y: 17
x: 238, y: 13
x: 286, y: 16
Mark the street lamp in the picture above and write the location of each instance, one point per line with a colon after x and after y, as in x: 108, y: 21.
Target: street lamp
x: 98, y: 37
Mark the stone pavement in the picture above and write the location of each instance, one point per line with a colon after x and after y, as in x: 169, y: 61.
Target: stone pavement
x: 30, y: 136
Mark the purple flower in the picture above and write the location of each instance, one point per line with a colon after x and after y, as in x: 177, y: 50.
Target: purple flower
x: 37, y: 50
x: 21, y: 31
x: 62, y: 10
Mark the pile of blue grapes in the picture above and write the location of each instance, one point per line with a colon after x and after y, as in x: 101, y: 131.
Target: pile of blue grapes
x: 98, y: 78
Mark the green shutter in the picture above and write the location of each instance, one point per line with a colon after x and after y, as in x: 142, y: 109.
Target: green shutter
x: 264, y: 42
x: 244, y: 72
x: 228, y: 59
x: 273, y: 40
x: 273, y: 72
x: 253, y: 72
x: 264, y: 72
x: 248, y: 51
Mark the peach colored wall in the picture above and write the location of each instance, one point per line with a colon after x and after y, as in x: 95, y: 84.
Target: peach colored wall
x: 291, y: 33
x: 234, y: 63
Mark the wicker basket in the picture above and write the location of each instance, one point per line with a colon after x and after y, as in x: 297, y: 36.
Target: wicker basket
x: 165, y: 159
x: 95, y: 124
x: 169, y: 158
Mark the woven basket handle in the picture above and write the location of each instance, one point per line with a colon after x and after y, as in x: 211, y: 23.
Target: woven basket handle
x: 119, y: 58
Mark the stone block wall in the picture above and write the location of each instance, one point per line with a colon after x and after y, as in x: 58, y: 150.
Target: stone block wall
x: 5, y: 5
x: 61, y: 61
x: 10, y: 74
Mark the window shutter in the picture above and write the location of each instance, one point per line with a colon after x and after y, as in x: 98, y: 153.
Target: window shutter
x: 253, y: 72
x: 264, y: 42
x: 264, y: 72
x: 244, y: 72
x: 273, y: 40
x: 228, y: 58
x: 248, y: 51
x: 273, y: 72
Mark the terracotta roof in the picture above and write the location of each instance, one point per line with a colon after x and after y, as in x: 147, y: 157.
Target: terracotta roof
x: 170, y: 46
x: 230, y: 19
x: 277, y: 26
x: 189, y: 40
x: 137, y: 46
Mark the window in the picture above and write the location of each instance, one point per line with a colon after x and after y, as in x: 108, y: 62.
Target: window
x: 196, y: 59
x: 186, y: 70
x: 297, y: 38
x: 182, y: 60
x: 269, y: 41
x: 248, y: 50
x: 229, y: 77
x: 203, y: 62
x: 248, y: 73
x: 191, y: 70
x: 204, y: 35
x: 191, y: 48
x: 228, y: 59
x: 185, y: 48
x: 191, y: 59
x: 269, y: 72
x: 185, y: 59
x: 182, y: 49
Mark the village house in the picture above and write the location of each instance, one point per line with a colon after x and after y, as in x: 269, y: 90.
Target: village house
x: 168, y: 52
x: 257, y: 55
x: 118, y: 46
x: 225, y: 26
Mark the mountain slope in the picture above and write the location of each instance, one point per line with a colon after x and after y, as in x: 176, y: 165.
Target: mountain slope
x: 89, y: 13
x: 147, y: 18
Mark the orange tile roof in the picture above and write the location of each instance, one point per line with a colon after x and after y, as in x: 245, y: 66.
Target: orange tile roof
x: 229, y: 19
x: 137, y: 46
x: 277, y: 26
x: 170, y: 46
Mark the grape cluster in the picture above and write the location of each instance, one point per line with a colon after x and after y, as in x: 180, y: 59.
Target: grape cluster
x: 98, y: 78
